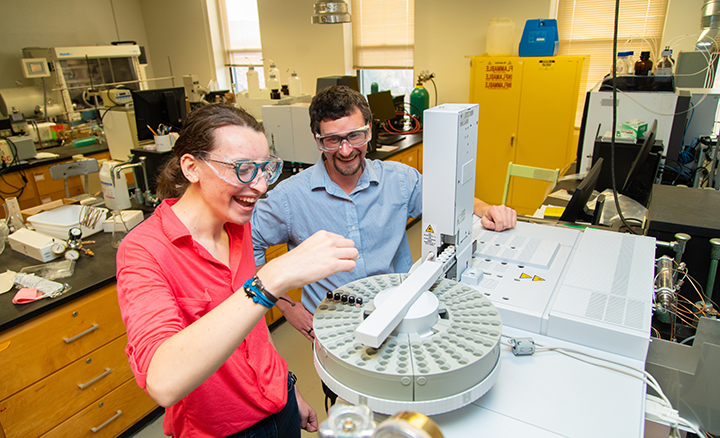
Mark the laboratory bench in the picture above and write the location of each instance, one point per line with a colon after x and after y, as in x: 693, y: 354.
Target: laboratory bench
x: 407, y: 151
x: 39, y: 187
x: 71, y: 376
x: 66, y: 372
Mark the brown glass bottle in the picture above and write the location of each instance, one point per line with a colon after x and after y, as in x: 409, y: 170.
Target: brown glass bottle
x: 643, y: 66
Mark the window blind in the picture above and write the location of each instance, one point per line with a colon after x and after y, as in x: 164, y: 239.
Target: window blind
x: 585, y: 27
x: 383, y: 33
x: 241, y: 30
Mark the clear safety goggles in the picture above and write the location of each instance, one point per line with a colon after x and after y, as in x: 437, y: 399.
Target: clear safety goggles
x: 355, y: 137
x: 245, y: 170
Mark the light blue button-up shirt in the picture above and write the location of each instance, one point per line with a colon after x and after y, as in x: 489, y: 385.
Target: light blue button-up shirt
x: 373, y: 215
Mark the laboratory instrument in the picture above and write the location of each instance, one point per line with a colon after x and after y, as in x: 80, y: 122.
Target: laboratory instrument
x: 591, y: 288
x: 74, y: 70
x: 286, y: 129
x: 419, y: 342
x: 346, y: 421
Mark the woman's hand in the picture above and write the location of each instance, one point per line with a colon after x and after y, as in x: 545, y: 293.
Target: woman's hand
x: 321, y: 255
x: 308, y: 416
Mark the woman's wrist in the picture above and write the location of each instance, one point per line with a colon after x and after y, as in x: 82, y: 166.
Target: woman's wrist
x: 272, y: 284
x: 255, y: 290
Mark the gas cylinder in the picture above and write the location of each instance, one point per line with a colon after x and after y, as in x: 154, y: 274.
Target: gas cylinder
x: 419, y: 101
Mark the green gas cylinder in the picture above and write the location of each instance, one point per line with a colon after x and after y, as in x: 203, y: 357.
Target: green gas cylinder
x: 419, y: 101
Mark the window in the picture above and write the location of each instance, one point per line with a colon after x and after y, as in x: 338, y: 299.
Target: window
x: 241, y: 29
x: 383, y: 42
x: 586, y: 27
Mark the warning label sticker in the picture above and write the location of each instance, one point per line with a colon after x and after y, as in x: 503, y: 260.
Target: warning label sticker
x: 525, y: 276
x: 430, y: 238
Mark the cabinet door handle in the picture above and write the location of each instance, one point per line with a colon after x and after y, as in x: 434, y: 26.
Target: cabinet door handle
x: 79, y: 335
x: 512, y: 140
x: 85, y: 385
x: 96, y: 429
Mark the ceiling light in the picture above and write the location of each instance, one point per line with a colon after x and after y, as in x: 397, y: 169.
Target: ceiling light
x: 331, y: 13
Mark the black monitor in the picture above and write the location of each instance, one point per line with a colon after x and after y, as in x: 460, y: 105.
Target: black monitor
x: 382, y: 106
x: 329, y: 81
x: 576, y: 207
x: 641, y: 157
x: 162, y: 106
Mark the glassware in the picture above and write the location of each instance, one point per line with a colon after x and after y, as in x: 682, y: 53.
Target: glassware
x: 119, y: 230
x: 666, y: 64
x: 643, y: 66
x: 13, y: 215
x: 4, y: 232
x: 624, y: 63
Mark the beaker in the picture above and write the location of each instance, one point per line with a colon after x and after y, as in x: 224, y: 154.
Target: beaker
x: 13, y: 215
x: 4, y: 232
x: 119, y: 230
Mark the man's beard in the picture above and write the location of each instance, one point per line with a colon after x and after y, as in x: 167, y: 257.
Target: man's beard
x: 344, y: 170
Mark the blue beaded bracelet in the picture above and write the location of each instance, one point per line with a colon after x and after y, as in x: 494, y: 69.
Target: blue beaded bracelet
x: 257, y: 295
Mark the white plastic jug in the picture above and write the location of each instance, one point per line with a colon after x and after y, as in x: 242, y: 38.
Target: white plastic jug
x: 116, y: 195
x: 500, y: 34
x: 294, y: 85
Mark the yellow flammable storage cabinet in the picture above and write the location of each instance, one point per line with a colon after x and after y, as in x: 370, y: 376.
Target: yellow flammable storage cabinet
x: 527, y: 116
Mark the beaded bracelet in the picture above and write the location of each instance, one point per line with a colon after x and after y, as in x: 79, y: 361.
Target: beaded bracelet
x: 259, y: 294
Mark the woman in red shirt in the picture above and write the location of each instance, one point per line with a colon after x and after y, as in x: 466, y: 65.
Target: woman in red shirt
x: 189, y: 296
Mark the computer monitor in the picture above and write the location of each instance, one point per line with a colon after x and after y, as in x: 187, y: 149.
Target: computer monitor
x: 576, y: 207
x: 329, y: 81
x: 162, y: 106
x: 382, y: 106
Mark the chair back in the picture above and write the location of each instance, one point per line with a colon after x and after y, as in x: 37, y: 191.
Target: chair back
x: 529, y: 172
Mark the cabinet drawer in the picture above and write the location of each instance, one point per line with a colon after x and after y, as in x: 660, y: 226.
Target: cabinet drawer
x: 109, y: 416
x: 408, y: 157
x: 52, y: 400
x: 49, y: 342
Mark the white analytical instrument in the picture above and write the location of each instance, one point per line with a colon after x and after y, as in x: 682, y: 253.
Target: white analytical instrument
x: 430, y: 341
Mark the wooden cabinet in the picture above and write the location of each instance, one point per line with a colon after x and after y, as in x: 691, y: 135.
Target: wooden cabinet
x: 296, y: 294
x: 40, y: 188
x: 411, y: 156
x: 527, y: 116
x: 66, y: 362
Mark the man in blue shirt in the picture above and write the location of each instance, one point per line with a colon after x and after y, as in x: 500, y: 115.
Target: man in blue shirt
x: 368, y: 201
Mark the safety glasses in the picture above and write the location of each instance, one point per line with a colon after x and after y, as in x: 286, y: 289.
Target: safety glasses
x: 333, y: 141
x: 245, y: 170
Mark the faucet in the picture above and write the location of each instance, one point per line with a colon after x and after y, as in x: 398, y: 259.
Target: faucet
x: 150, y: 199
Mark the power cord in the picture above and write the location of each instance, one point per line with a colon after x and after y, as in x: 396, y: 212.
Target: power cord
x: 661, y: 407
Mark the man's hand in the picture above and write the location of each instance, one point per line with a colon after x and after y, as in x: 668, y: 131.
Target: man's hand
x: 298, y: 316
x: 308, y: 416
x: 498, y: 218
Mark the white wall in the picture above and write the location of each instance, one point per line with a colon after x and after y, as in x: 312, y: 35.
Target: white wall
x: 446, y: 32
x: 683, y: 18
x: 53, y: 23
x: 179, y: 36
x: 293, y: 42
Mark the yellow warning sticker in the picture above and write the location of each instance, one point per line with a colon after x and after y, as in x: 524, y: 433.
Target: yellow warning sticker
x: 429, y: 229
x: 524, y: 275
x: 536, y: 278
